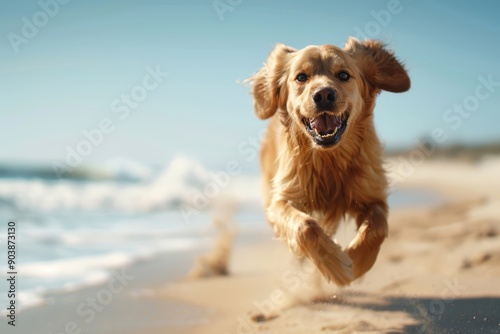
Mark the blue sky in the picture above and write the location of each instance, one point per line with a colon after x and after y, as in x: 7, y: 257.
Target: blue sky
x: 65, y: 78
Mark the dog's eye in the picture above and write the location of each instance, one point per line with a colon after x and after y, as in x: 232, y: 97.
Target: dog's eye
x: 301, y: 77
x: 344, y: 76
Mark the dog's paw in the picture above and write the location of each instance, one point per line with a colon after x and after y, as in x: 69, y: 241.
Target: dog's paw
x: 362, y: 259
x: 332, y: 262
x: 363, y: 250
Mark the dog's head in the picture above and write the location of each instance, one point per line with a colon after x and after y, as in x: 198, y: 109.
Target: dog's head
x: 323, y: 90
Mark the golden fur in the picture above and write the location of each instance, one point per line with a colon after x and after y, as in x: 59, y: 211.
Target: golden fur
x: 310, y: 187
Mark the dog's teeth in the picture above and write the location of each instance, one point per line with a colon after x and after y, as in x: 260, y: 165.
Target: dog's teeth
x: 328, y: 135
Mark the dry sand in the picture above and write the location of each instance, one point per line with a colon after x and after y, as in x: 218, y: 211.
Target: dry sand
x: 438, y: 272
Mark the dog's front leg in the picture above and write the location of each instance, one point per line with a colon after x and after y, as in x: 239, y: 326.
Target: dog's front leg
x: 372, y: 230
x: 306, y: 238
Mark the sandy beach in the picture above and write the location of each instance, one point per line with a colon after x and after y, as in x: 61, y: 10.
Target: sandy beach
x: 437, y: 272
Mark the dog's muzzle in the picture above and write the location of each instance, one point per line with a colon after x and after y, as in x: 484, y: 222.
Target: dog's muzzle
x: 326, y: 129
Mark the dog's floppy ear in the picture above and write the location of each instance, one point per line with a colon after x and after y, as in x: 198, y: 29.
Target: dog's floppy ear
x: 269, y: 84
x: 378, y: 65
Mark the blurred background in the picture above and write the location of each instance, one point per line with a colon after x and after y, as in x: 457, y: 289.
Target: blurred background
x: 123, y: 121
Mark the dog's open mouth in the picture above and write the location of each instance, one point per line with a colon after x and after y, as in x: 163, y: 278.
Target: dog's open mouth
x: 326, y: 129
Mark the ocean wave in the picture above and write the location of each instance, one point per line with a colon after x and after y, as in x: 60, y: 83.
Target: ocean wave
x: 182, y: 182
x: 117, y: 169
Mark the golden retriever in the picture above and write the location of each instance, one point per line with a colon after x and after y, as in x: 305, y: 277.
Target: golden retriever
x: 321, y: 158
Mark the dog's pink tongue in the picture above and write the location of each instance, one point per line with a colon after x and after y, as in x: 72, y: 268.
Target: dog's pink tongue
x: 325, y: 123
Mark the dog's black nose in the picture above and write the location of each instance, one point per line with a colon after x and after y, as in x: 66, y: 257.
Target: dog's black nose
x: 324, y: 98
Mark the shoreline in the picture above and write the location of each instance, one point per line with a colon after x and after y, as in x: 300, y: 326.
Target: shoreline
x: 93, y: 309
x: 119, y: 304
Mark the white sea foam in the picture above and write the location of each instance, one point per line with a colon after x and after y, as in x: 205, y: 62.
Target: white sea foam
x: 76, y: 266
x: 29, y: 299
x: 77, y: 272
x: 176, y: 184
